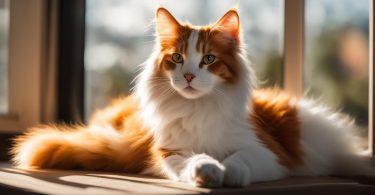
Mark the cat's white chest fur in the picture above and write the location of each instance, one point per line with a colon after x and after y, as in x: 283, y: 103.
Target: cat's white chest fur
x: 202, y: 126
x: 200, y: 129
x: 215, y: 124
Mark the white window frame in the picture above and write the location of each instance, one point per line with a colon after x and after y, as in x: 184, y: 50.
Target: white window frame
x: 27, y: 59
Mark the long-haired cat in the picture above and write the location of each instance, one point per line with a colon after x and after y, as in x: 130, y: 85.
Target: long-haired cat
x: 195, y: 116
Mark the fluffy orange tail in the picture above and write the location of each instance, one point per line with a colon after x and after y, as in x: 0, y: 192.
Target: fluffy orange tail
x: 80, y: 147
x: 114, y: 141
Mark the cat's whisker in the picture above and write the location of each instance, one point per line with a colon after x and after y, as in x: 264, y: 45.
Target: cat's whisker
x: 160, y: 80
x: 166, y: 92
x: 158, y: 77
x: 204, y: 81
x: 158, y: 84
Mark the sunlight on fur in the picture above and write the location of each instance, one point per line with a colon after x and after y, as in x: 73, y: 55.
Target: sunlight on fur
x: 195, y: 116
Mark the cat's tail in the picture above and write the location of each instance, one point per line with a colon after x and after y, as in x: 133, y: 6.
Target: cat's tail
x: 80, y: 147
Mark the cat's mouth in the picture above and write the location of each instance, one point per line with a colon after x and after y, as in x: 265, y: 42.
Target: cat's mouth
x: 190, y: 92
x: 190, y: 88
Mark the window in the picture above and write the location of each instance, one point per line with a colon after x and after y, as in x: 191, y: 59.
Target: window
x: 303, y: 56
x: 325, y: 53
x: 336, y: 66
x: 119, y: 38
x: 305, y: 22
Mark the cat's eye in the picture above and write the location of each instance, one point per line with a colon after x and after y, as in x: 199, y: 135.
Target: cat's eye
x: 177, y: 58
x: 208, y: 59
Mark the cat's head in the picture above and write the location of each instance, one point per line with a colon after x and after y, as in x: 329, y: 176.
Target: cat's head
x: 196, y: 61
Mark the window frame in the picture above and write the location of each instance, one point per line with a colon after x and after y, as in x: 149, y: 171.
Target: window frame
x: 25, y: 60
x: 293, y: 46
x: 48, y: 62
x: 70, y: 69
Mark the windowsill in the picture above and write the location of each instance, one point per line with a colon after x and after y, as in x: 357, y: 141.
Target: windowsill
x: 89, y: 182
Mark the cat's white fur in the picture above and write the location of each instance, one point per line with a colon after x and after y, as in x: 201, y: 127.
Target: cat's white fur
x: 203, y: 82
x: 212, y: 130
x: 329, y: 144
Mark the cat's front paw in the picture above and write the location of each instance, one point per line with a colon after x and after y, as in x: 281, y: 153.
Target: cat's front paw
x: 236, y: 174
x: 205, y: 171
x: 209, y: 175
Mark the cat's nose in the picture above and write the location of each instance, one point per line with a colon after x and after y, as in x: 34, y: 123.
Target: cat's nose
x: 189, y: 77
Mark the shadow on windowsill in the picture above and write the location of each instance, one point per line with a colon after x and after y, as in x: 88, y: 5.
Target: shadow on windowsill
x: 90, y: 182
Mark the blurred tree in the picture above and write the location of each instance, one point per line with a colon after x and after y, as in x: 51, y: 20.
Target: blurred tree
x: 271, y: 74
x: 340, y: 72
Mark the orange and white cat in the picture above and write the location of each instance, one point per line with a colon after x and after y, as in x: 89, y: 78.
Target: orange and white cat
x: 195, y: 117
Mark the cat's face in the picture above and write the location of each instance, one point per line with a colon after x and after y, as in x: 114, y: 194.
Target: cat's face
x: 198, y: 60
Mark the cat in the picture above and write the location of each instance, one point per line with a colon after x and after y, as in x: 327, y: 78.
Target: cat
x: 196, y: 116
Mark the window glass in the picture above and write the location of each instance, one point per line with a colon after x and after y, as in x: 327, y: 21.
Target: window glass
x: 337, y: 55
x: 4, y: 24
x: 119, y: 38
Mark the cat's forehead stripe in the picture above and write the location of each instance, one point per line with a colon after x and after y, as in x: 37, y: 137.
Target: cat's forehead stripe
x: 201, y: 45
x: 192, y: 42
x: 183, y: 40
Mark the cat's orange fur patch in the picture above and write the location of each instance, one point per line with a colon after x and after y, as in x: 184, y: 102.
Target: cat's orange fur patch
x: 275, y: 120
x: 128, y: 148
x: 210, y: 40
x: 226, y: 66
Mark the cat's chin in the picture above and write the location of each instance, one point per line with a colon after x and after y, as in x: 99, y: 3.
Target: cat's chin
x: 190, y: 93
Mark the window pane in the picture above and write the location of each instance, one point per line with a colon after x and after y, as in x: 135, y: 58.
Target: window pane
x: 337, y: 53
x: 119, y: 38
x: 4, y: 23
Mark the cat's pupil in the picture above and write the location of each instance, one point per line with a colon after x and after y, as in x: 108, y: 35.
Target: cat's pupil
x: 177, y: 58
x: 208, y: 59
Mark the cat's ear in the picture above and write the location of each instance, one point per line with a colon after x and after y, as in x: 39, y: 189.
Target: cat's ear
x: 229, y: 23
x: 166, y: 24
